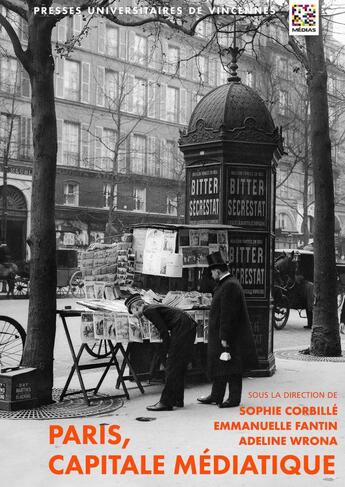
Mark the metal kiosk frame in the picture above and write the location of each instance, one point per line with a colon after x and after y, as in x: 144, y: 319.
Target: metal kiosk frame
x: 77, y: 367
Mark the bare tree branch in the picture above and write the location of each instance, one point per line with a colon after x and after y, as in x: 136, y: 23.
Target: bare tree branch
x: 14, y: 8
x: 19, y: 52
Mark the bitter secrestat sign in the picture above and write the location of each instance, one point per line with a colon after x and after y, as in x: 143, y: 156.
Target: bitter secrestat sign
x: 246, y: 197
x: 203, y: 186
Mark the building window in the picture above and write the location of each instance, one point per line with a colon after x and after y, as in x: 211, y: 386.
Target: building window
x: 283, y: 102
x: 9, y: 74
x: 138, y: 154
x: 139, y: 198
x: 139, y: 96
x: 140, y: 49
x: 283, y: 220
x: 108, y: 149
x: 72, y: 80
x: 111, y: 85
x: 168, y: 158
x: 71, y: 144
x: 9, y: 135
x: 282, y: 183
x: 172, y: 104
x: 204, y: 28
x: 68, y: 239
x: 310, y: 186
x: 173, y: 60
x: 107, y: 196
x: 202, y: 62
x: 112, y: 41
x: 172, y: 205
x: 225, y: 38
x: 71, y: 194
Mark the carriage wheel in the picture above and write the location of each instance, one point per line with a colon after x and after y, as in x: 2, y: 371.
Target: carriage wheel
x: 76, y: 285
x: 12, y: 340
x: 21, y: 287
x: 281, y: 311
x: 98, y: 349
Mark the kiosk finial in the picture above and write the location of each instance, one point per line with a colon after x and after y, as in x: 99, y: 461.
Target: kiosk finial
x: 235, y: 54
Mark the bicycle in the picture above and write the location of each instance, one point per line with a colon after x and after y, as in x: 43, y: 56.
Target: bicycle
x: 12, y: 341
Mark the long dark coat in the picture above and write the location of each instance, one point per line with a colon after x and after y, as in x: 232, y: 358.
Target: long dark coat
x: 229, y: 321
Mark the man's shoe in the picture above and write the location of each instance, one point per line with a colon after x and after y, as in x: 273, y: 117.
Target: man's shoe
x: 179, y: 404
x: 229, y: 403
x: 307, y: 327
x: 159, y: 407
x: 306, y: 351
x: 208, y: 400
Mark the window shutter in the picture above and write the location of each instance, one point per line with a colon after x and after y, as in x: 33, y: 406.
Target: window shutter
x: 131, y: 46
x: 85, y: 147
x: 100, y: 86
x: 62, y: 30
x: 131, y: 153
x: 85, y: 82
x: 151, y: 102
x: 152, y: 51
x: 101, y: 37
x: 59, y: 79
x: 25, y: 83
x: 151, y: 156
x: 130, y: 93
x: 163, y: 159
x: 183, y: 63
x: 163, y: 104
x: 98, y: 148
x: 77, y: 24
x: 26, y: 138
x: 165, y: 48
x: 183, y: 106
x: 59, y: 126
x: 123, y: 44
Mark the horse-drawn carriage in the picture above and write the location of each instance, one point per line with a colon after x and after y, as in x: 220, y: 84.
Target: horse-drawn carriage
x: 15, y: 278
x: 293, y: 285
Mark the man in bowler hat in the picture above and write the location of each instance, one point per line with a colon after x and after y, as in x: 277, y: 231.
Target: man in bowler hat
x: 230, y: 337
x: 177, y: 330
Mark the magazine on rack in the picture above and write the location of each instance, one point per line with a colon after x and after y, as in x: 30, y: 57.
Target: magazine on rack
x: 179, y: 136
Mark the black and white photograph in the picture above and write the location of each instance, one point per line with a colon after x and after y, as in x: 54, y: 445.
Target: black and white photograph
x: 172, y: 243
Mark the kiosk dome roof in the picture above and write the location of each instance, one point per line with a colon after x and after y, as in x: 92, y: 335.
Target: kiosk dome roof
x: 228, y: 106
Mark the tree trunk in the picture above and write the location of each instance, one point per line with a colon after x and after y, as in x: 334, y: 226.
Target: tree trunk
x: 306, y: 179
x: 325, y: 340
x: 39, y: 347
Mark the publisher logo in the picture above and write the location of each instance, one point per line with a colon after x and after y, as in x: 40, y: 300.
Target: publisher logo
x: 303, y: 17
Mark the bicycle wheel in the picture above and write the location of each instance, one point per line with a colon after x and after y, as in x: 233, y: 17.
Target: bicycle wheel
x: 98, y: 349
x: 76, y: 285
x: 281, y: 311
x: 12, y: 341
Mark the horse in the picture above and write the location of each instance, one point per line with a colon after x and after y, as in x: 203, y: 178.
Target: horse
x: 8, y: 272
x: 285, y: 266
x: 289, y: 280
x: 8, y: 269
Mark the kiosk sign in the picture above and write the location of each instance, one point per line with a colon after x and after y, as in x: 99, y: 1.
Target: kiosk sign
x: 203, y: 195
x: 246, y: 197
x: 248, y: 263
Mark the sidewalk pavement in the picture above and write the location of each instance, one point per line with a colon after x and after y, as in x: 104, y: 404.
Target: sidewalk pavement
x: 25, y: 450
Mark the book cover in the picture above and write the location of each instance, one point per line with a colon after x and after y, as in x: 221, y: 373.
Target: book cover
x: 125, y: 90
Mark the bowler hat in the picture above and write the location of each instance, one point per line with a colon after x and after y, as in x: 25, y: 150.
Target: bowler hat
x: 215, y: 259
x: 131, y: 300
